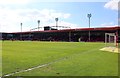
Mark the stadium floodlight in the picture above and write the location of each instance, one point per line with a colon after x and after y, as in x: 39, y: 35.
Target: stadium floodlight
x: 21, y: 26
x: 56, y: 19
x: 21, y: 31
x: 38, y: 24
x: 89, y: 16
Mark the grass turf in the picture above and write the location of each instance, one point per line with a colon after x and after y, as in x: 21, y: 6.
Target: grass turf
x: 82, y: 59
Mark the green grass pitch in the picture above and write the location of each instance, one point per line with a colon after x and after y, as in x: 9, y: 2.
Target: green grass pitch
x: 77, y: 59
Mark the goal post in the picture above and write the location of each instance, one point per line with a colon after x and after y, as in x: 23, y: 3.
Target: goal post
x: 111, y: 39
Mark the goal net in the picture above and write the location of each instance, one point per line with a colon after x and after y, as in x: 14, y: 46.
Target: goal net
x: 110, y: 40
x: 111, y: 44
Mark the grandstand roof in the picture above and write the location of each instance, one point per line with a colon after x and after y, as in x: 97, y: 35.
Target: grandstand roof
x: 77, y: 29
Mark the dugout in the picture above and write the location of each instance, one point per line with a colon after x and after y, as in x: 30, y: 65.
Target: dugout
x: 96, y: 34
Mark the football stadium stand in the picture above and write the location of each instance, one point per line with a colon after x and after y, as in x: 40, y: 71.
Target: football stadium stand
x: 71, y: 35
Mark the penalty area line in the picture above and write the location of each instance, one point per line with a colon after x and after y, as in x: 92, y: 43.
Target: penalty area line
x: 40, y: 66
x: 36, y: 67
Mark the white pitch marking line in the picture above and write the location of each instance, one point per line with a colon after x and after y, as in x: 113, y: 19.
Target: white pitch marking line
x: 26, y: 70
x: 40, y: 66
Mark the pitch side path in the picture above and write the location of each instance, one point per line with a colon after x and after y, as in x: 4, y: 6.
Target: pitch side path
x: 63, y: 59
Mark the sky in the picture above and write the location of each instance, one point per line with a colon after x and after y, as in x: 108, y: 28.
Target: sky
x: 70, y: 13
